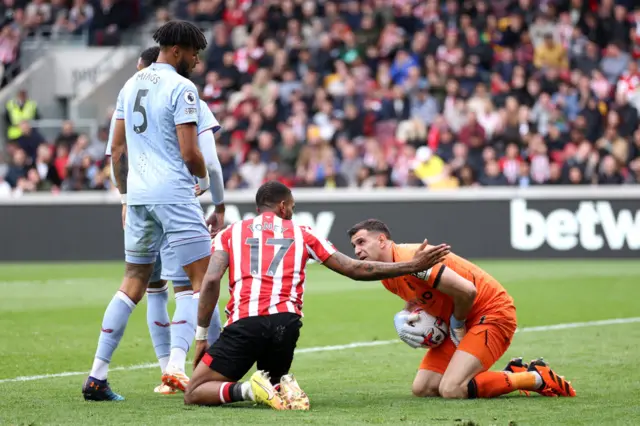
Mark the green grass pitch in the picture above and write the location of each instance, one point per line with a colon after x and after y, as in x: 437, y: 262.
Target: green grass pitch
x: 50, y: 317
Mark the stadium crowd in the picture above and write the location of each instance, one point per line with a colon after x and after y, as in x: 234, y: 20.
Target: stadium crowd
x: 380, y: 93
x: 102, y: 21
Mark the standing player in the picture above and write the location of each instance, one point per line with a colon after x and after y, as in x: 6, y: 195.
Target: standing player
x: 174, y: 337
x: 481, y: 318
x: 156, y: 134
x: 267, y: 257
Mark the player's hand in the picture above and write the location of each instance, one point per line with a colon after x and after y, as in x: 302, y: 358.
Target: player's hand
x: 457, y: 330
x: 427, y: 257
x: 199, y: 191
x: 124, y: 215
x: 405, y: 331
x: 215, y: 222
x: 198, y: 353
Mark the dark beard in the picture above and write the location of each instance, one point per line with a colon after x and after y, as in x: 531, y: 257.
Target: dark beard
x: 182, y: 68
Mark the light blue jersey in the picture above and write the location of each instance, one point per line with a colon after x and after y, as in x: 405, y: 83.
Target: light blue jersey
x: 206, y: 121
x: 152, y: 103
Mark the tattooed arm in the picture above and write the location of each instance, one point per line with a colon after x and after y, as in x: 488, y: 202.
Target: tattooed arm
x: 364, y: 270
x: 119, y: 159
x: 210, y: 291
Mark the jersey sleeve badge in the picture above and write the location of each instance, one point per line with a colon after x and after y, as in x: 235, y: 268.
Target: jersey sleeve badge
x: 190, y: 97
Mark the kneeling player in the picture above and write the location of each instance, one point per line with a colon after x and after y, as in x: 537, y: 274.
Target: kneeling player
x: 481, y: 317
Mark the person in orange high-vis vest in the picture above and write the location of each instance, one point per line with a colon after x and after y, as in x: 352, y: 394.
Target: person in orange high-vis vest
x: 481, y: 317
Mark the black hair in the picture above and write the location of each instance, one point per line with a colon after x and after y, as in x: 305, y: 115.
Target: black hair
x: 371, y: 225
x: 272, y: 193
x: 180, y: 33
x: 150, y: 55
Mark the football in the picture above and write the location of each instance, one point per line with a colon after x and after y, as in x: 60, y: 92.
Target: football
x: 434, y: 329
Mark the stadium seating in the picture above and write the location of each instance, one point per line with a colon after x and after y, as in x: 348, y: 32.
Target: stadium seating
x: 381, y: 93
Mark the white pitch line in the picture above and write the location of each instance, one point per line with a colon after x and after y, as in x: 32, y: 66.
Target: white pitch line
x: 568, y: 325
x: 354, y: 345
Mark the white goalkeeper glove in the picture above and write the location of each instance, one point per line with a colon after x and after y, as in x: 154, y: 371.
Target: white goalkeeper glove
x: 457, y: 330
x: 405, y: 331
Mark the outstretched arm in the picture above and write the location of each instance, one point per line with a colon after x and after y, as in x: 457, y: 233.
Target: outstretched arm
x: 364, y: 270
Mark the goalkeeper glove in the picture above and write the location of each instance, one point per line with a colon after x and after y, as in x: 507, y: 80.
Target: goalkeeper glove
x: 405, y: 331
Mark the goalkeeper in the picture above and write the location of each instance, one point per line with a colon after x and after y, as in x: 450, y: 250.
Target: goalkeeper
x: 481, y: 318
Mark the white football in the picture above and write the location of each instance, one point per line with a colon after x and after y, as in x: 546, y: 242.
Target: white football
x: 433, y: 329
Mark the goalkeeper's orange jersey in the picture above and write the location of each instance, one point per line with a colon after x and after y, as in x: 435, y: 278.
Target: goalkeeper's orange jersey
x: 492, y: 303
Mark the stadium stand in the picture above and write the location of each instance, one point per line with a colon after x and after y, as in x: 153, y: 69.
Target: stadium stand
x: 378, y: 93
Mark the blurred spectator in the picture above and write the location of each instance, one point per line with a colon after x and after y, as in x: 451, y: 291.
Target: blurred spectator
x: 45, y: 168
x: 67, y: 135
x: 78, y: 17
x: 17, y: 111
x: 614, y: 63
x: 492, y: 175
x: 110, y: 17
x: 332, y: 179
x: 551, y: 54
x: 30, y: 139
x: 17, y: 169
x: 427, y: 166
x: 9, y: 47
x: 253, y: 171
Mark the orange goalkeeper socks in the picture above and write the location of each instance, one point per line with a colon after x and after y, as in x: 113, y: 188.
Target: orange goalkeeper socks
x: 528, y: 381
x: 491, y: 384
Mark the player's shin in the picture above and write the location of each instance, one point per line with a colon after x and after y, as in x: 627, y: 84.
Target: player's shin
x: 491, y: 384
x: 159, y: 323
x: 114, y: 322
x: 183, y: 328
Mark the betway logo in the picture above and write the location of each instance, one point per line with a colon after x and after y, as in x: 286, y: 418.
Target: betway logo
x: 321, y: 224
x: 564, y: 229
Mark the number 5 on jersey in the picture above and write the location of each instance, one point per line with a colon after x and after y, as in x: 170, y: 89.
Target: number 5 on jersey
x: 137, y: 107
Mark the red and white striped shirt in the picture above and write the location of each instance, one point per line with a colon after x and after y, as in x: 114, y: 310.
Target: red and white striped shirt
x: 267, y: 264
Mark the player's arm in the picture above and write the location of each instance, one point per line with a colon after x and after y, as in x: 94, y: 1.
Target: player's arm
x: 208, y: 148
x: 119, y: 158
x: 188, y: 140
x: 186, y: 109
x: 210, y: 291
x: 461, y: 290
x: 119, y: 155
x: 364, y: 270
x: 208, y: 145
x: 463, y: 293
